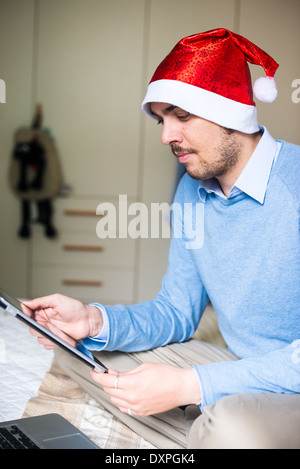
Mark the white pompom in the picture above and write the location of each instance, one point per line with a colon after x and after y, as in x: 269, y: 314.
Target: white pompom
x: 265, y: 89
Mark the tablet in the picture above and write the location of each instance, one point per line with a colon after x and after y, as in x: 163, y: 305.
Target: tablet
x: 13, y: 306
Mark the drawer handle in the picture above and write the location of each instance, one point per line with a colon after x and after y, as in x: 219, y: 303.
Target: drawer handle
x: 82, y: 247
x: 82, y: 213
x: 81, y: 283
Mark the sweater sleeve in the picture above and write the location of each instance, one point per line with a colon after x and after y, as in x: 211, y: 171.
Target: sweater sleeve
x: 276, y: 372
x: 172, y: 316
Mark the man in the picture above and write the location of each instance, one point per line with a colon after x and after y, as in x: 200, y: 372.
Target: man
x: 178, y: 392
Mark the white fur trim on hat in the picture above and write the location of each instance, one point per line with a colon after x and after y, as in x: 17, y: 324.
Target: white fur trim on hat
x: 202, y: 103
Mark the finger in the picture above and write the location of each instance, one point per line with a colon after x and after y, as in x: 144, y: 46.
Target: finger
x: 58, y: 332
x: 48, y: 345
x: 34, y: 332
x: 109, y: 381
x: 127, y: 410
x: 119, y: 395
x: 127, y: 407
x: 40, y: 303
x: 42, y: 340
x: 27, y: 310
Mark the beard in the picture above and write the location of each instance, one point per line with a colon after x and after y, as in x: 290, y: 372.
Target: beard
x: 227, y: 151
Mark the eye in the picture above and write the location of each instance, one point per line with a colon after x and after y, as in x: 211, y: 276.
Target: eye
x: 160, y: 121
x: 184, y: 117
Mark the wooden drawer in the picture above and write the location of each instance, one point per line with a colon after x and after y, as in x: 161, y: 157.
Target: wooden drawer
x: 102, y: 285
x: 75, y: 214
x: 83, y: 249
x: 80, y: 214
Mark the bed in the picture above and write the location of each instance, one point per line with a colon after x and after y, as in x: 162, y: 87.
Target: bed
x: 23, y: 363
x: 33, y: 384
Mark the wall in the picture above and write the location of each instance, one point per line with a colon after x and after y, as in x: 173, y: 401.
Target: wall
x: 88, y: 63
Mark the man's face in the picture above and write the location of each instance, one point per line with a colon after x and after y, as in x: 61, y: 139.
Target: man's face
x: 206, y: 149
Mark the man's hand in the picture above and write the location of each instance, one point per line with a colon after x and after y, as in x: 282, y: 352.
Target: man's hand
x: 66, y: 317
x: 151, y: 388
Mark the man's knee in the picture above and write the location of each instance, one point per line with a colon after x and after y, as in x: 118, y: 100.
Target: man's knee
x: 247, y: 421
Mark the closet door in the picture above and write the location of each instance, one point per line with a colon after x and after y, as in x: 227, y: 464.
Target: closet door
x: 89, y: 57
x: 16, y: 60
x: 88, y: 78
x: 274, y: 26
x: 169, y: 21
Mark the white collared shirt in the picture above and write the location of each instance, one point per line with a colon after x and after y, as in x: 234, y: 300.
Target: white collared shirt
x: 254, y: 178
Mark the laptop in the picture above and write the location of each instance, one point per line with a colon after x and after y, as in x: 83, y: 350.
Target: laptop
x: 50, y: 431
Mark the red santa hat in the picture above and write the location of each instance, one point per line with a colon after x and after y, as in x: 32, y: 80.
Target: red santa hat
x: 207, y: 74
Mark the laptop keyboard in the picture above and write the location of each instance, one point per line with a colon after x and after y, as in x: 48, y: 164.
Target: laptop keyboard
x: 13, y: 438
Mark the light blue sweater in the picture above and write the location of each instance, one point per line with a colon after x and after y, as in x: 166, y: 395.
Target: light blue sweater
x: 248, y: 266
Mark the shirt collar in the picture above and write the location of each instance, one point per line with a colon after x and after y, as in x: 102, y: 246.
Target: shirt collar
x: 254, y: 178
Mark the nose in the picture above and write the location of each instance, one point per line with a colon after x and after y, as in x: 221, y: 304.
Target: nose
x: 170, y: 133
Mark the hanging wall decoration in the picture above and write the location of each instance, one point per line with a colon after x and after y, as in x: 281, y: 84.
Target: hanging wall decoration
x: 35, y: 175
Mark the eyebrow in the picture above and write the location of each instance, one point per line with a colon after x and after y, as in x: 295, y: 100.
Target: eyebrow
x: 165, y: 112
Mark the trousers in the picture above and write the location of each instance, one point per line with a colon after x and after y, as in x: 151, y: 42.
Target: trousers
x: 238, y: 421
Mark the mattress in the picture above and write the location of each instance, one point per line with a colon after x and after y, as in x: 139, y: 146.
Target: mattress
x: 23, y: 364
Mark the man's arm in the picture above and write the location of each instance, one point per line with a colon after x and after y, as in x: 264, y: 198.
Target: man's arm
x: 276, y: 372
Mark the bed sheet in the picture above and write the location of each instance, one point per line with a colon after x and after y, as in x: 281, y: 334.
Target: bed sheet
x: 23, y: 364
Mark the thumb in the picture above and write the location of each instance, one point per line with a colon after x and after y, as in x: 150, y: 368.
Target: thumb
x: 41, y: 303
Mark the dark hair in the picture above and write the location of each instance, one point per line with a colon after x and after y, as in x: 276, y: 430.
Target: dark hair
x: 229, y: 131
